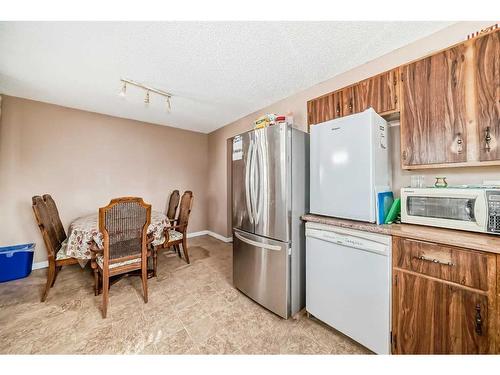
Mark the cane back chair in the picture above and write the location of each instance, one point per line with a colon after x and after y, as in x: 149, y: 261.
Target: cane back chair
x: 176, y: 235
x: 173, y: 203
x: 123, y: 224
x: 54, y: 235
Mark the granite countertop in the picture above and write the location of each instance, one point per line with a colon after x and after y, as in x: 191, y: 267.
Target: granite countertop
x: 470, y: 240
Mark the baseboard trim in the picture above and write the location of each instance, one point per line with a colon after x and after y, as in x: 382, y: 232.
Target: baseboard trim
x: 197, y: 234
x: 38, y: 265
x: 212, y: 234
x: 220, y: 237
x: 45, y: 264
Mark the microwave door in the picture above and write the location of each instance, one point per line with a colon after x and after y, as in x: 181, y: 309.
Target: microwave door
x: 453, y: 210
x: 462, y: 209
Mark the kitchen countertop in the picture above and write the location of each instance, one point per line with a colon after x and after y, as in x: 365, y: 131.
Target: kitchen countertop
x: 469, y: 240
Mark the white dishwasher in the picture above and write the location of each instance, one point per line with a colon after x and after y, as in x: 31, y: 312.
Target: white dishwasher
x: 348, y: 283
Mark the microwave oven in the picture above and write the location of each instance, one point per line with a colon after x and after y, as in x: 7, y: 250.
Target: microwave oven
x: 472, y: 209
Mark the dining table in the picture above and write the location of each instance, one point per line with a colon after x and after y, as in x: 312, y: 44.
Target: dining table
x: 86, y: 228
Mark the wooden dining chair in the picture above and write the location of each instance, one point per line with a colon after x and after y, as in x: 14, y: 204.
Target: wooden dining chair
x: 173, y: 203
x: 123, y: 223
x: 176, y: 235
x: 53, y: 234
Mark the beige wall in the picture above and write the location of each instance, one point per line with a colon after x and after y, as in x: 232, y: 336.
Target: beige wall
x: 217, y: 189
x: 84, y: 159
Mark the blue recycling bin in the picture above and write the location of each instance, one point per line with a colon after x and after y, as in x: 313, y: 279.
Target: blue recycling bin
x: 16, y: 261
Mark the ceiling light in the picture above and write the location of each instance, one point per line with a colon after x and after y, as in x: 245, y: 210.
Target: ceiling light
x: 123, y: 91
x: 148, y: 90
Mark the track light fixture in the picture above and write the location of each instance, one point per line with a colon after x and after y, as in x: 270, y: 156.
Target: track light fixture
x: 123, y: 90
x: 148, y: 90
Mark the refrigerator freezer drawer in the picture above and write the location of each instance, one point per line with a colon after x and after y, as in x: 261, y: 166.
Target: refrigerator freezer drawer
x: 261, y: 270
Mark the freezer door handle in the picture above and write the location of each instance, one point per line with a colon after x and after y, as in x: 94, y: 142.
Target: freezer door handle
x: 259, y: 198
x: 247, y: 182
x: 257, y: 244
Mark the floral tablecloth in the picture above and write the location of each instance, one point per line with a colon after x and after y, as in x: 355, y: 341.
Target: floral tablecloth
x: 86, y: 228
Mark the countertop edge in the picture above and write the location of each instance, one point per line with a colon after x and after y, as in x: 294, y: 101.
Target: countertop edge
x: 450, y: 237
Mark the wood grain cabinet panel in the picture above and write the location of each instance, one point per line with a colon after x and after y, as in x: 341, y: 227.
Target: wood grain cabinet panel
x: 379, y: 92
x: 430, y: 317
x: 348, y: 100
x: 433, y: 114
x: 463, y: 267
x: 487, y: 86
x: 445, y: 303
x: 324, y: 108
x: 337, y: 104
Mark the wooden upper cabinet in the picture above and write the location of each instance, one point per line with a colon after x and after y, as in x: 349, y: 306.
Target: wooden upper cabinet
x: 348, y: 100
x: 379, y: 92
x: 487, y: 85
x: 324, y: 108
x: 433, y: 114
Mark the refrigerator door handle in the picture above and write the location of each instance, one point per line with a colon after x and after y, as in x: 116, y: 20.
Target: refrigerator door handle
x: 259, y: 200
x: 247, y: 182
x: 257, y: 244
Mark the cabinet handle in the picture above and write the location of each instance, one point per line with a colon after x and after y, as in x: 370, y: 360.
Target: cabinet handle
x: 338, y: 109
x: 350, y: 105
x: 437, y: 261
x: 479, y: 320
x: 487, y: 139
x: 460, y: 142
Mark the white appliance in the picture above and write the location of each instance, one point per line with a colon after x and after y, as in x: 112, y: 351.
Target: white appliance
x: 474, y: 209
x: 348, y: 283
x: 350, y: 164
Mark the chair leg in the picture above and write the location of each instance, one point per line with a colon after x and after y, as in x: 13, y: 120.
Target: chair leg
x: 185, y: 249
x: 177, y: 250
x: 96, y: 282
x: 105, y: 295
x: 58, y: 268
x: 51, y: 274
x: 144, y: 277
x: 155, y: 261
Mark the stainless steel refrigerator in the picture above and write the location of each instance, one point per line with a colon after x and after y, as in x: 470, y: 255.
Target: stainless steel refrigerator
x: 270, y: 192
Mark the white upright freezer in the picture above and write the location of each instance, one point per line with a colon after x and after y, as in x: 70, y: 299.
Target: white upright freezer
x: 349, y: 165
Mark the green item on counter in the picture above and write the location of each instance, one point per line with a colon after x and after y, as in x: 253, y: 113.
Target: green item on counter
x: 393, y: 212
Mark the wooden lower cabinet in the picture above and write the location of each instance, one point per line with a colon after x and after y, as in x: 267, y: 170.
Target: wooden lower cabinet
x: 435, y: 316
x: 432, y: 317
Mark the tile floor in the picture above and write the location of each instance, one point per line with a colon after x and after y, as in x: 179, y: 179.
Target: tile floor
x: 192, y: 309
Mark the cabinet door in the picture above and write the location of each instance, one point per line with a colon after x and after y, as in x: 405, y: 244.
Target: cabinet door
x: 487, y: 83
x: 433, y: 113
x: 337, y: 104
x: 379, y: 92
x: 324, y: 108
x: 348, y: 100
x: 433, y: 317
